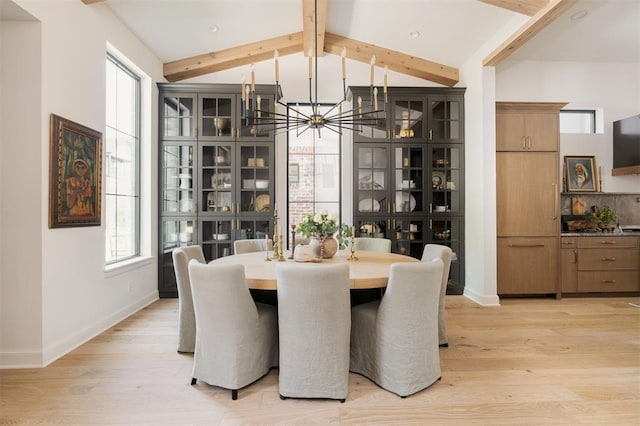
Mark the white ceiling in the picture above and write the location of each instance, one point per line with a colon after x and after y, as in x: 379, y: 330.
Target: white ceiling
x: 451, y: 30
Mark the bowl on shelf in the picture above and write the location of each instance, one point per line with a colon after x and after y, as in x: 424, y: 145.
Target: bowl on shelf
x: 441, y: 208
x: 262, y: 184
x: 220, y: 236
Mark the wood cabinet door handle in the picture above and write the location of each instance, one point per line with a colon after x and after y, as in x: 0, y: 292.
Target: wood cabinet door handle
x: 607, y: 242
x: 608, y: 259
x: 528, y: 142
x: 555, y: 201
x: 525, y: 245
x: 608, y: 281
x: 524, y: 142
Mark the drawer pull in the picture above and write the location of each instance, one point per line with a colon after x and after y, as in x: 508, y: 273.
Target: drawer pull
x: 608, y: 281
x: 607, y: 242
x: 608, y: 259
x: 525, y: 245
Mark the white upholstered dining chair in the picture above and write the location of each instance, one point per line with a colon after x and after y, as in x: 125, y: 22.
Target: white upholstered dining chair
x: 372, y: 244
x: 314, y: 323
x: 186, y: 319
x: 236, y: 338
x: 251, y: 245
x: 394, y: 342
x: 430, y: 252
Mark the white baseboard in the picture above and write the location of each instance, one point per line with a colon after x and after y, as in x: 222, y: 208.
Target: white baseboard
x: 35, y: 359
x: 484, y: 300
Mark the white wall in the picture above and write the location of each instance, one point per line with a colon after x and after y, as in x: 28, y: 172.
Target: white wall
x: 79, y: 298
x: 615, y: 87
x: 20, y: 188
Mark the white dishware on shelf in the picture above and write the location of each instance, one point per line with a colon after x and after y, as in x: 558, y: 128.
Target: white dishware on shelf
x: 369, y: 205
x: 441, y: 208
x: 405, y: 202
x: 262, y: 184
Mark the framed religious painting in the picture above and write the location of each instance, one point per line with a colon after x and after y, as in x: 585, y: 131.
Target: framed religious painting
x: 75, y: 174
x: 580, y: 174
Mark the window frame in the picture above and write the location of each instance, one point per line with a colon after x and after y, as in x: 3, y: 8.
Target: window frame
x: 137, y: 186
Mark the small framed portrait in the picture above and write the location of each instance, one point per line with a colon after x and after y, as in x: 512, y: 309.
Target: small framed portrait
x: 580, y: 174
x: 75, y: 174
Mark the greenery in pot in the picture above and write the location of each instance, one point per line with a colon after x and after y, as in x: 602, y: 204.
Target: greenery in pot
x: 605, y: 216
x: 324, y: 224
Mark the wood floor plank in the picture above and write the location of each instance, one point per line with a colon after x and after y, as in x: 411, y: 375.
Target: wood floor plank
x: 528, y: 361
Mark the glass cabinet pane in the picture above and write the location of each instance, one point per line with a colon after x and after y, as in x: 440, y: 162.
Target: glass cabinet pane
x: 371, y: 172
x: 216, y: 237
x: 254, y: 229
x: 217, y: 183
x: 409, y: 238
x: 371, y: 227
x: 407, y: 174
x: 216, y: 115
x: 446, y: 180
x: 408, y: 119
x: 370, y: 118
x: 256, y: 182
x: 449, y: 232
x: 177, y: 178
x: 178, y: 116
x: 177, y: 232
x: 256, y: 108
x: 445, y: 120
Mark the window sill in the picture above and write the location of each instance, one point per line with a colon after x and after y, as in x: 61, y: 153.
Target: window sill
x: 127, y: 266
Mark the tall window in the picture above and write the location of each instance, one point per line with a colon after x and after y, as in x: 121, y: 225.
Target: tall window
x: 122, y: 162
x: 314, y: 172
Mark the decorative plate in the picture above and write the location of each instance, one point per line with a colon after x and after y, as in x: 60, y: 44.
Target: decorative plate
x: 262, y: 203
x: 368, y: 205
x: 402, y: 198
x: 437, y: 179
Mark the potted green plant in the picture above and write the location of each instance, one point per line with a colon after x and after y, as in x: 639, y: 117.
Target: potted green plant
x: 324, y: 232
x: 606, y: 217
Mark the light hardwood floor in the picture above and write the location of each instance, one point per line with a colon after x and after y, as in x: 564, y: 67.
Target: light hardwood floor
x: 529, y: 361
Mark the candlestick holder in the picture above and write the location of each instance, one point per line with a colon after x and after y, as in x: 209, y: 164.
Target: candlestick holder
x: 353, y: 249
x: 293, y: 240
x: 280, y: 253
x: 266, y: 249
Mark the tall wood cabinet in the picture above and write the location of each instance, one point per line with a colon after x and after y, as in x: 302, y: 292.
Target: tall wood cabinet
x: 217, y: 179
x: 409, y: 171
x: 527, y: 195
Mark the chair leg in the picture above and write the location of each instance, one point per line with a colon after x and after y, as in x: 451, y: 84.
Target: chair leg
x: 193, y: 381
x: 444, y: 345
x: 234, y: 394
x: 342, y: 401
x: 283, y: 397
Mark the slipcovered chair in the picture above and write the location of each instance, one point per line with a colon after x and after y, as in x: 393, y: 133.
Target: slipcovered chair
x: 314, y: 323
x: 372, y: 244
x: 186, y: 319
x: 236, y: 339
x: 430, y: 252
x: 394, y: 342
x: 248, y: 246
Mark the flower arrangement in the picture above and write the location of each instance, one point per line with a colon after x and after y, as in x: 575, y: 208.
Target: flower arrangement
x: 323, y: 225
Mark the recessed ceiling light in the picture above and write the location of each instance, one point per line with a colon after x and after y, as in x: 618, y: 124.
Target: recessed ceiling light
x: 213, y: 28
x: 579, y: 15
x: 415, y: 33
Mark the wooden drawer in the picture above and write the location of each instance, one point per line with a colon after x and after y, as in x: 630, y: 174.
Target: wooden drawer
x: 608, y: 281
x: 528, y: 265
x: 608, y: 242
x: 599, y: 260
x: 569, y: 242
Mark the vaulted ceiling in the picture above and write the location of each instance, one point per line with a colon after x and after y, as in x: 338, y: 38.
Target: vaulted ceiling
x: 338, y: 25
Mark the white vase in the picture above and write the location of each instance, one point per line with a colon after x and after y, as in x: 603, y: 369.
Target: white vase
x: 325, y: 247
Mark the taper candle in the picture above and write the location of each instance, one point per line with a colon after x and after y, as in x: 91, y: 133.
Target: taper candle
x: 258, y: 104
x: 373, y: 63
x: 253, y: 78
x: 344, y: 63
x: 275, y: 58
x: 242, y: 87
x: 375, y: 98
x: 386, y: 69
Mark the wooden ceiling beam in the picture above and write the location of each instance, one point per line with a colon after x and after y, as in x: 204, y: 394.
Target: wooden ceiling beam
x: 231, y: 58
x: 526, y: 7
x: 309, y: 28
x: 533, y: 26
x: 396, y: 61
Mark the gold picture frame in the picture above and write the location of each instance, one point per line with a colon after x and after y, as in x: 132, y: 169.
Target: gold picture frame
x: 75, y: 174
x: 580, y: 173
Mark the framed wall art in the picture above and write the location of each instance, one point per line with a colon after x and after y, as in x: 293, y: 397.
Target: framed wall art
x: 75, y: 174
x: 580, y: 174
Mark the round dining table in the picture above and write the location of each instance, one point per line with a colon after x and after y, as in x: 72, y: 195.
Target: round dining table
x: 371, y: 270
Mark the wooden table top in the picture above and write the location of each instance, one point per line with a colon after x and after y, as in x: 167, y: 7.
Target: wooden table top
x: 371, y: 270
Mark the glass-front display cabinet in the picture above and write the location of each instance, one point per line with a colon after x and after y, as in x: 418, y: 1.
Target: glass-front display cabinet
x: 174, y: 232
x: 450, y: 232
x: 178, y: 178
x: 446, y: 179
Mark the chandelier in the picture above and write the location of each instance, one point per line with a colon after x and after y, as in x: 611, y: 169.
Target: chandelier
x: 332, y: 118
